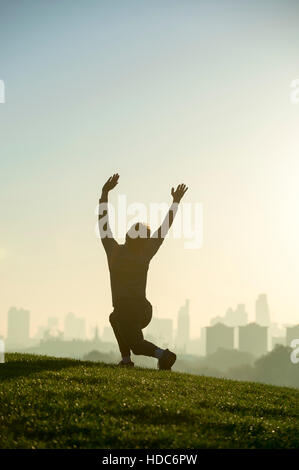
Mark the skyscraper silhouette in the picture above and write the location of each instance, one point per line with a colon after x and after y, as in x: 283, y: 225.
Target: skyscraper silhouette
x: 262, y: 312
x: 236, y: 317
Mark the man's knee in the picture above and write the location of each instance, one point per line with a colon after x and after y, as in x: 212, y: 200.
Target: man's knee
x: 112, y: 319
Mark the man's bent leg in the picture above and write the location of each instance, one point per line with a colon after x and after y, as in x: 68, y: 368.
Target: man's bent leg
x: 123, y: 346
x: 129, y: 329
x: 132, y: 318
x: 144, y: 348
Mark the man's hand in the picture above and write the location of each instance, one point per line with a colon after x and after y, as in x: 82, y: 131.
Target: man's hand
x: 110, y: 183
x: 179, y: 192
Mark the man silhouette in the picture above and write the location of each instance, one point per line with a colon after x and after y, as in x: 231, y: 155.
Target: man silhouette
x: 128, y: 266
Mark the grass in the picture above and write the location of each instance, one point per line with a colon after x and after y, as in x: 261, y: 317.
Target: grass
x: 62, y: 403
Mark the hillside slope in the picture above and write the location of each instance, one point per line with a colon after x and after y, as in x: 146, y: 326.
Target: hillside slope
x: 62, y: 403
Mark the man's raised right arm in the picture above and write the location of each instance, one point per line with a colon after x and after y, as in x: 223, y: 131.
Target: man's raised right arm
x: 104, y: 225
x: 160, y: 234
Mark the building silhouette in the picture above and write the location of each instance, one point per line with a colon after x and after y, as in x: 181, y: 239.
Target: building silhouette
x: 183, y: 328
x: 236, y: 317
x: 292, y: 333
x: 219, y: 336
x: 51, y: 329
x: 232, y: 317
x: 262, y: 312
x: 74, y: 327
x: 18, y: 325
x: 253, y: 338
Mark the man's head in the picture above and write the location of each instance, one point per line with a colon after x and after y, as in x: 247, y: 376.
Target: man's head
x: 137, y: 234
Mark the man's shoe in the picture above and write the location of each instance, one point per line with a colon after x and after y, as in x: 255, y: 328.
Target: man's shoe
x: 126, y: 364
x: 167, y: 360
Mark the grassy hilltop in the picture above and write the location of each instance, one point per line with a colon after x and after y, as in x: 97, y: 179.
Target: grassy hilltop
x: 63, y: 403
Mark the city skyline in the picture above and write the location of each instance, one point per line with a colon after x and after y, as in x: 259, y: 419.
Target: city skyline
x: 240, y: 332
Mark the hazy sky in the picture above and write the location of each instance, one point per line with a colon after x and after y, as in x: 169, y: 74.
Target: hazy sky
x: 161, y: 92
